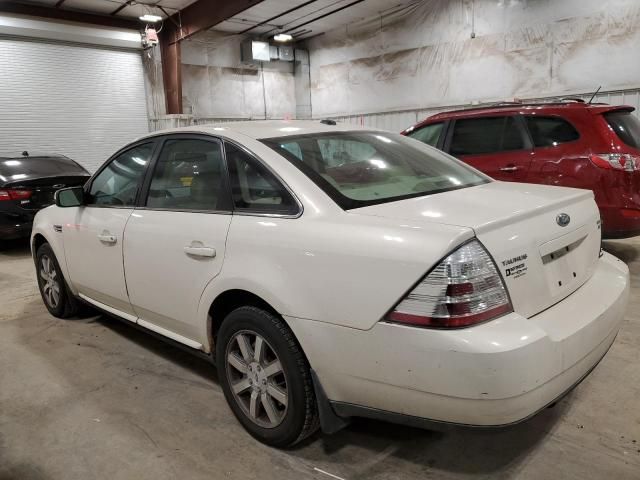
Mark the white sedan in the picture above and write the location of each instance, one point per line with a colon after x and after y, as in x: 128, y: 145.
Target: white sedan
x: 332, y: 272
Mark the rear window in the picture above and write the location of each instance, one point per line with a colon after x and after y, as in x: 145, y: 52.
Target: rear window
x: 477, y: 136
x: 626, y: 126
x: 29, y: 166
x: 550, y: 131
x: 357, y: 169
x: 429, y: 134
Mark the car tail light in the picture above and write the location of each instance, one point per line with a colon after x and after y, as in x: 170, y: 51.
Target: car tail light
x: 463, y: 290
x: 17, y: 194
x: 616, y: 161
x: 630, y: 213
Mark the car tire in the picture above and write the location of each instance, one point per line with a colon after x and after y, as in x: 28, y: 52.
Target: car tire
x: 54, y: 289
x: 275, y: 402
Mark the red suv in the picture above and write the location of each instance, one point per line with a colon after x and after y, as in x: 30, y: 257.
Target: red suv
x: 571, y: 143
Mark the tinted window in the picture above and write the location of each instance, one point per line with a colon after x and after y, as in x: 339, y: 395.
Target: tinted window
x: 364, y: 168
x: 119, y: 182
x: 485, y: 135
x: 49, y: 166
x: 254, y: 188
x: 550, y: 131
x: 429, y: 134
x: 189, y: 175
x: 626, y: 126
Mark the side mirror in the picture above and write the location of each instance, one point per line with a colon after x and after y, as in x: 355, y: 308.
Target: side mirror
x: 69, y: 197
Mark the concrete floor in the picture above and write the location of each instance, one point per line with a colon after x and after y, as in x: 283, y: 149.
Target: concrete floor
x: 97, y: 399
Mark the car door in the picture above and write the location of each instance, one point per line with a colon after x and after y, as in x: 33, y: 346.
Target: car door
x: 175, y: 239
x: 93, y: 239
x: 498, y: 146
x: 560, y: 154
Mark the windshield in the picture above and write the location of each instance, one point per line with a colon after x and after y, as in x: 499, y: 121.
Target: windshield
x: 358, y: 169
x: 626, y: 126
x: 39, y: 166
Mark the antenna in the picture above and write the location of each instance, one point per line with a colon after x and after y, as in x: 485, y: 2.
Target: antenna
x: 594, y: 95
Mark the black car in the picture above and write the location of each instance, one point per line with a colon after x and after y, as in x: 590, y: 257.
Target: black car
x: 27, y: 184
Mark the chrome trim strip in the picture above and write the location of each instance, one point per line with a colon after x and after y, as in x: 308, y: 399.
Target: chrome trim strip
x: 170, y: 334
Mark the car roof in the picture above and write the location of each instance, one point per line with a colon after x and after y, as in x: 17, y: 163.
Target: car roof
x: 263, y: 129
x: 515, y: 107
x: 39, y: 156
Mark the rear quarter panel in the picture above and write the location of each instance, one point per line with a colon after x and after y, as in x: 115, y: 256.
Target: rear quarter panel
x: 347, y: 270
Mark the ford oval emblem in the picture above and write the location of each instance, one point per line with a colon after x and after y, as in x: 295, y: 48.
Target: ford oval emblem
x: 563, y: 219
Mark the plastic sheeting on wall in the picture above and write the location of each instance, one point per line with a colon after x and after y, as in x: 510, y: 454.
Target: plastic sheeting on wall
x: 215, y: 83
x: 422, y: 56
x: 399, y: 121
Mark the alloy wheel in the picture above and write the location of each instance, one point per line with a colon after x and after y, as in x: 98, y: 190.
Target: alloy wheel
x: 50, y: 282
x: 257, y: 379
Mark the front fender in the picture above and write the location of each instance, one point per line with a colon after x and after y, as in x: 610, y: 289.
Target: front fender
x: 49, y: 223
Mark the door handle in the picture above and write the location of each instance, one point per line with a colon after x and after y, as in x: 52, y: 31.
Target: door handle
x: 200, y: 251
x: 106, y: 237
x: 510, y: 168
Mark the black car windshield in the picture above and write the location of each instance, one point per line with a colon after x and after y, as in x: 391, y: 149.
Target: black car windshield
x: 39, y: 166
x: 360, y: 168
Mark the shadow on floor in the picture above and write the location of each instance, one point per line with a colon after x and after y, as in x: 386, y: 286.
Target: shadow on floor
x: 455, y: 450
x: 461, y: 450
x: 625, y: 251
x: 15, y: 248
x: 173, y: 352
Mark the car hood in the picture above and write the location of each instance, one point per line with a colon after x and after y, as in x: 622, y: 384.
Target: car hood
x: 541, y: 260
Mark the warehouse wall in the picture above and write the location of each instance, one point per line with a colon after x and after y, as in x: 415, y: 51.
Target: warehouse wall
x: 423, y: 57
x: 215, y: 84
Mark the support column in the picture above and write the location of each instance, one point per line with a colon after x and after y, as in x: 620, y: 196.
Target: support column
x: 171, y: 70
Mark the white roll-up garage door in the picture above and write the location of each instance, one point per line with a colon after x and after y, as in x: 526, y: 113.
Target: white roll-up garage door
x: 81, y: 101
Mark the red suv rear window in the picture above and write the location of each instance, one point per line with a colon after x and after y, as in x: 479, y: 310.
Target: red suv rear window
x: 626, y: 126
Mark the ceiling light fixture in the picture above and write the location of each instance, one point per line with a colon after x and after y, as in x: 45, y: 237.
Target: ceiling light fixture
x: 150, y: 18
x: 283, y: 37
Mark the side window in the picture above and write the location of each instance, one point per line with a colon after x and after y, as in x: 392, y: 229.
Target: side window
x: 550, y: 131
x: 118, y: 183
x: 478, y: 136
x: 293, y: 148
x: 429, y: 134
x: 189, y: 175
x: 253, y: 188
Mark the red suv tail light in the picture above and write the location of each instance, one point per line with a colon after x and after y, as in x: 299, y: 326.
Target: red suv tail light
x: 11, y: 194
x: 463, y: 290
x: 616, y: 161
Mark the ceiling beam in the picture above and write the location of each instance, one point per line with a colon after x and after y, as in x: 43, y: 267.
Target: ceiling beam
x: 204, y: 14
x: 268, y: 20
x: 200, y: 15
x: 332, y: 12
x: 67, y: 15
x: 120, y: 7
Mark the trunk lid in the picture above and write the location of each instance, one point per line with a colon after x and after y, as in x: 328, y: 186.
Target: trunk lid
x: 542, y: 258
x: 42, y: 189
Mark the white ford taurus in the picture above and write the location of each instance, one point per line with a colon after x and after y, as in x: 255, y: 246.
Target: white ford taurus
x: 333, y: 272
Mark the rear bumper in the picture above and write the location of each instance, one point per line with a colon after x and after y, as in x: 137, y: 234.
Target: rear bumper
x: 14, y: 228
x: 618, y: 225
x: 346, y: 411
x: 493, y: 374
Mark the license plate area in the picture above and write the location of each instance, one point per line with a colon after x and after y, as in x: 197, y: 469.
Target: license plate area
x: 566, y: 262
